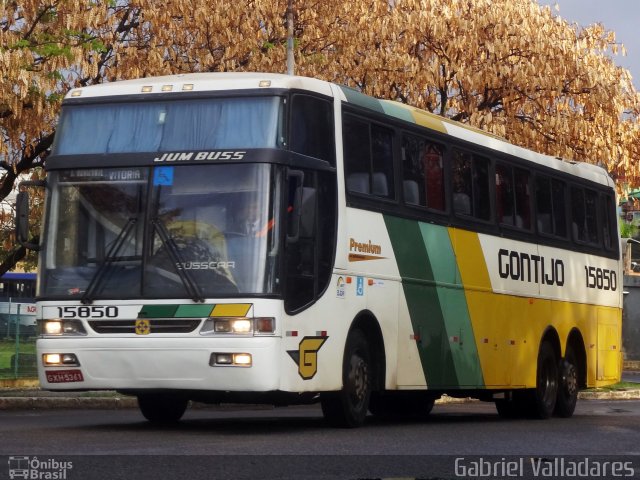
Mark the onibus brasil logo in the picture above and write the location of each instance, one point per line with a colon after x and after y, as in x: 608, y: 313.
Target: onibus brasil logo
x: 38, y: 469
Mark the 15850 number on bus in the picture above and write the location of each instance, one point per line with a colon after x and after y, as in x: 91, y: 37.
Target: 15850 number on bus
x: 601, y: 278
x: 94, y: 311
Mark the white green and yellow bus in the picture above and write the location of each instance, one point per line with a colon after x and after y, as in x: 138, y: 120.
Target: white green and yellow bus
x: 252, y: 237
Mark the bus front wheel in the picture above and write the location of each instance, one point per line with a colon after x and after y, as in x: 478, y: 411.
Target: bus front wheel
x: 348, y: 407
x: 162, y: 408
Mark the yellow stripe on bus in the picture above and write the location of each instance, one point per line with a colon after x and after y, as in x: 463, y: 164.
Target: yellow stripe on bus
x: 508, y: 328
x: 230, y: 310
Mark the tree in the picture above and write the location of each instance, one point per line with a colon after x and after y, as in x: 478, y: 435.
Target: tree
x: 47, y: 47
x: 507, y: 66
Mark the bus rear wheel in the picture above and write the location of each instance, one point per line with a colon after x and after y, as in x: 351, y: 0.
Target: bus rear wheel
x: 162, y: 408
x: 568, y: 386
x: 544, y: 396
x: 349, y: 406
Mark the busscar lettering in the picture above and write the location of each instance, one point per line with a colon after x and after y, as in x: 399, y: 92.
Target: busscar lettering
x: 205, y: 265
x: 530, y: 268
x: 199, y: 156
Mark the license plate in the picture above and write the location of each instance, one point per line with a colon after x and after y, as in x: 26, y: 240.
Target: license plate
x: 64, y: 376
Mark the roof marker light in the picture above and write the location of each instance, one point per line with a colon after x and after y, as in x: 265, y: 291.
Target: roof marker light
x: 147, y: 89
x: 167, y: 88
x: 187, y: 87
x: 264, y: 83
x: 76, y: 93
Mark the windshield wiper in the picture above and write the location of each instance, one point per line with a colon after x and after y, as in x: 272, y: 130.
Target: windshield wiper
x: 97, y: 278
x: 189, y: 284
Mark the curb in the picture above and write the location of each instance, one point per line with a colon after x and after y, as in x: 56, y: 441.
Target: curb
x: 631, y: 394
x: 121, y: 403
x: 80, y: 403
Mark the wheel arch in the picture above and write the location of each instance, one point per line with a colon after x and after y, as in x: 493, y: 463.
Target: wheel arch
x: 575, y: 343
x: 551, y: 335
x: 368, y: 324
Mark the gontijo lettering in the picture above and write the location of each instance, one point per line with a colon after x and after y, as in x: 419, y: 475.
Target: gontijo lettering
x: 530, y: 268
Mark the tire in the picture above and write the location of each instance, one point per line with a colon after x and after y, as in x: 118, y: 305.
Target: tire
x: 348, y: 407
x: 162, y: 408
x: 567, y: 386
x: 543, y: 397
x: 401, y: 404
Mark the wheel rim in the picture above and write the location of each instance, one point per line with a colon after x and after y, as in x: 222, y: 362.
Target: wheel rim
x: 358, y: 385
x: 569, y: 379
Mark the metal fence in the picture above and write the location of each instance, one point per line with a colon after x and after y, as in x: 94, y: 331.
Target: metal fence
x: 17, y: 341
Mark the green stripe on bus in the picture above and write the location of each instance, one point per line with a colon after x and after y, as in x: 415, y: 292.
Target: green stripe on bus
x: 457, y: 320
x: 157, y: 311
x: 436, y: 302
x: 357, y: 98
x: 398, y: 111
x: 194, y: 311
x: 423, y: 301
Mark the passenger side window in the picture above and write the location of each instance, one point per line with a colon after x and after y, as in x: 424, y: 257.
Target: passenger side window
x: 513, y: 200
x: 312, y: 127
x: 368, y: 154
x: 550, y: 206
x: 609, y: 227
x: 423, y: 173
x: 471, y: 185
x: 584, y: 219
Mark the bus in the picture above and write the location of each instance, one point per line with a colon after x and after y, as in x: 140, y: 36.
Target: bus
x: 17, y: 304
x: 264, y: 238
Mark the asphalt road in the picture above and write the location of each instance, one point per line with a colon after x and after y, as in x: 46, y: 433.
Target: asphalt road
x: 294, y: 442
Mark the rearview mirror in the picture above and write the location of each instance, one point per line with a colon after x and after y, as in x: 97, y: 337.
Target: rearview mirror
x: 22, y: 216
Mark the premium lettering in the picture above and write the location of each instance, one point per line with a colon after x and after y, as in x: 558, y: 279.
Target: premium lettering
x: 364, y: 247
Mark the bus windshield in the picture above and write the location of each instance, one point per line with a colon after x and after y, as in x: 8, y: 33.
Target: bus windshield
x: 166, y: 232
x: 169, y: 125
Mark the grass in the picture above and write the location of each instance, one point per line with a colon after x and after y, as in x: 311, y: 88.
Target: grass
x: 8, y: 350
x: 616, y: 387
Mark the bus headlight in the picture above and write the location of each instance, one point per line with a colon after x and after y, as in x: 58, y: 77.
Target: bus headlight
x: 239, y: 326
x: 62, y: 327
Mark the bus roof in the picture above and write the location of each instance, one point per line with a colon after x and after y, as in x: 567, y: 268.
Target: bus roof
x: 206, y: 82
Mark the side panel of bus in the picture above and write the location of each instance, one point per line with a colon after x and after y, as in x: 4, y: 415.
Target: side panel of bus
x: 474, y: 329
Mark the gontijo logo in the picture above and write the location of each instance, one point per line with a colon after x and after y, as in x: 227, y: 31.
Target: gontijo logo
x: 307, y: 356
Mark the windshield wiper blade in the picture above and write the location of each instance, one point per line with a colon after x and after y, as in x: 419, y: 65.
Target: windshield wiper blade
x: 189, y: 284
x: 96, y: 280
